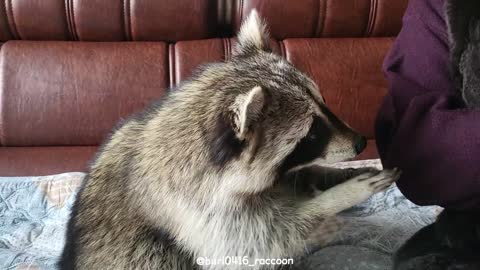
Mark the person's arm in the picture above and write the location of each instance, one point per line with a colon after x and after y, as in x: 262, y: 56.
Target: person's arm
x: 423, y: 127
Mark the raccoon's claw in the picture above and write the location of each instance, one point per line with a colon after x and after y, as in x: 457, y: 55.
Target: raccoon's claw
x: 370, y: 183
x: 384, y: 179
x: 352, y: 172
x: 367, y: 175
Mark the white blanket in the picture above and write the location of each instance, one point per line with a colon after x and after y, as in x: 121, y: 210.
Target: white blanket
x: 34, y: 212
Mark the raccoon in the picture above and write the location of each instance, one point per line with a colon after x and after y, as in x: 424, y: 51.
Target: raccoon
x: 208, y: 172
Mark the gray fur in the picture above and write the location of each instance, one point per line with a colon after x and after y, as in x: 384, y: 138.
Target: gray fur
x: 202, y: 173
x: 463, y: 21
x: 470, y: 67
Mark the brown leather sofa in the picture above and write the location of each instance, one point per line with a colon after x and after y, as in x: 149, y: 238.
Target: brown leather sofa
x: 70, y: 69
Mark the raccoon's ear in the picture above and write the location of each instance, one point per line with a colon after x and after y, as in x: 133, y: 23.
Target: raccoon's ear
x: 247, y: 110
x: 253, y: 35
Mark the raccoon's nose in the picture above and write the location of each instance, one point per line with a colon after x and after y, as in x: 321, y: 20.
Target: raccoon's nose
x: 360, y: 144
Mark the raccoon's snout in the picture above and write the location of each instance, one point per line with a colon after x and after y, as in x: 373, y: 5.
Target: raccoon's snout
x: 360, y: 144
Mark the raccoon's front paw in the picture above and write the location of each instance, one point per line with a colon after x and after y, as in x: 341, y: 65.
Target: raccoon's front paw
x: 369, y: 183
x: 354, y: 191
x: 379, y: 180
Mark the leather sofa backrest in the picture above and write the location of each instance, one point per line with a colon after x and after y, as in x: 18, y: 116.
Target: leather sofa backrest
x: 175, y: 20
x: 67, y: 75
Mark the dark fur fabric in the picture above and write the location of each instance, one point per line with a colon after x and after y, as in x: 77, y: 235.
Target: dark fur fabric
x: 470, y: 66
x: 453, y: 241
x: 463, y: 19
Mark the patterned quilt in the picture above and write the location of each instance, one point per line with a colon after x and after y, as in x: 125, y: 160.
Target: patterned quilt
x: 34, y: 212
x: 33, y: 216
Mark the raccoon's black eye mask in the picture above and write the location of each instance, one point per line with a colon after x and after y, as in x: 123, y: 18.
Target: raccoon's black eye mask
x: 225, y: 146
x: 310, y: 147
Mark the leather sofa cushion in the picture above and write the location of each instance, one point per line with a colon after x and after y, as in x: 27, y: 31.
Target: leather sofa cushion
x: 72, y: 93
x: 36, y: 161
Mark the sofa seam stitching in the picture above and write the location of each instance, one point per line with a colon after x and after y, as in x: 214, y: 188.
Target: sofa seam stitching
x: 130, y: 29
x: 226, y: 48
x: 74, y: 26
x: 11, y: 20
x: 6, y: 18
x: 171, y: 64
x: 2, y: 120
x: 283, y: 49
x: 322, y: 10
x: 372, y: 15
x: 241, y: 12
x: 67, y: 18
x: 315, y: 26
x: 123, y: 21
x: 167, y: 73
x: 126, y: 20
x: 230, y: 53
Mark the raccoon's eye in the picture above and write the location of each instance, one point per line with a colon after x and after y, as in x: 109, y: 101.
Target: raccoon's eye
x: 312, y: 137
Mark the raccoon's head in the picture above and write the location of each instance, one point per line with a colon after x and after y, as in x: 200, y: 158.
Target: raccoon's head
x: 272, y: 117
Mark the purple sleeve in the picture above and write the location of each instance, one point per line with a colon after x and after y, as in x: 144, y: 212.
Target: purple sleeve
x: 423, y: 127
